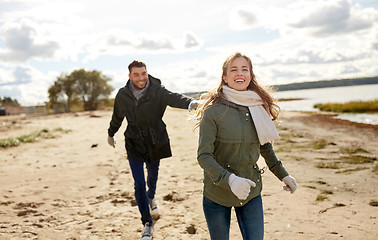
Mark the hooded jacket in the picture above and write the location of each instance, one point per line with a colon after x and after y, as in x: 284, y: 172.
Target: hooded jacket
x: 228, y: 143
x: 146, y: 137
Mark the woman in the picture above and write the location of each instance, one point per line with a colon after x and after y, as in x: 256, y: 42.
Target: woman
x: 235, y: 128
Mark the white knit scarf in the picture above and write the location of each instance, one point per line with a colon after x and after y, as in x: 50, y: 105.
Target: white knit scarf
x: 266, y: 131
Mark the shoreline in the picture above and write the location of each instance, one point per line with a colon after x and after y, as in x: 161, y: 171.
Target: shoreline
x: 327, y: 117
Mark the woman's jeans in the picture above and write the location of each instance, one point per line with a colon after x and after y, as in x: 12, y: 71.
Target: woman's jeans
x: 250, y: 218
x: 141, y: 195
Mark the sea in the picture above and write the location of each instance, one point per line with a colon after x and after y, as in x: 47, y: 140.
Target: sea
x: 331, y: 95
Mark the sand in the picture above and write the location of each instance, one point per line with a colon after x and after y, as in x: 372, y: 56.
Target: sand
x: 72, y: 185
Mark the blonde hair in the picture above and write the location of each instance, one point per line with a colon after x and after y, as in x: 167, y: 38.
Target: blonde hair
x: 214, y: 95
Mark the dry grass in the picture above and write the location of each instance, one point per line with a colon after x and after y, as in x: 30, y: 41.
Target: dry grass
x: 321, y: 198
x: 373, y: 203
x: 29, y: 138
x: 333, y: 165
x: 358, y: 159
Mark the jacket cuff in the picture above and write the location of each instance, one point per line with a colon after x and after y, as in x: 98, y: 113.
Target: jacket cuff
x: 110, y: 134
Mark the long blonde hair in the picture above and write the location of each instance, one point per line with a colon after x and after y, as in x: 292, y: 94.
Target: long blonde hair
x: 214, y: 95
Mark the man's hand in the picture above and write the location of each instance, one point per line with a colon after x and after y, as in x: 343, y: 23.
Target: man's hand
x: 111, y: 141
x: 240, y: 186
x: 290, y: 184
x: 193, y: 105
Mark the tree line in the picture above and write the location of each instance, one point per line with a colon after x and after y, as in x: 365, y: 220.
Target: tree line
x: 8, y: 101
x: 326, y: 83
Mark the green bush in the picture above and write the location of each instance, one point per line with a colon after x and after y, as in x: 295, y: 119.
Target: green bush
x: 350, y: 107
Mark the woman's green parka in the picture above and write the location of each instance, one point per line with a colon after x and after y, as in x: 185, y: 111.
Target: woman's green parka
x: 228, y: 143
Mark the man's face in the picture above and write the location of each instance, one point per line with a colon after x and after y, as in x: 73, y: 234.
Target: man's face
x: 138, y: 77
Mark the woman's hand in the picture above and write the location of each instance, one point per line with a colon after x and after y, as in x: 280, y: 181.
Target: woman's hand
x: 240, y: 186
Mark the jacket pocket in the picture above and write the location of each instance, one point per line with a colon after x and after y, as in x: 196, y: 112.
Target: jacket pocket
x: 159, y: 134
x: 134, y: 141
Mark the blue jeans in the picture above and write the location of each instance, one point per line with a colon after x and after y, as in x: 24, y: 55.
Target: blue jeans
x: 141, y: 195
x: 250, y: 219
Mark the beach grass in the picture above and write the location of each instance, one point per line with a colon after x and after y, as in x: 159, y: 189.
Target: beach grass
x: 352, y: 170
x: 333, y: 165
x: 352, y: 150
x: 375, y: 168
x: 321, y: 198
x: 7, y: 203
x: 320, y: 144
x: 31, y: 137
x: 321, y: 182
x: 373, y: 203
x: 327, y: 192
x: 308, y: 186
x: 357, y: 159
x: 335, y: 205
x: 350, y: 107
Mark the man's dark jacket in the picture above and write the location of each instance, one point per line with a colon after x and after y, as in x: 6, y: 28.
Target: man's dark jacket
x: 146, y: 137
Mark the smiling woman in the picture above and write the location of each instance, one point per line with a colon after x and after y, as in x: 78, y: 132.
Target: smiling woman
x: 228, y: 156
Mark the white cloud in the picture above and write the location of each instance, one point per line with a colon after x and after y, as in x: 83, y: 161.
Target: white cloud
x: 21, y: 45
x: 26, y: 84
x: 118, y: 43
x: 350, y: 69
x: 329, y: 18
x: 318, y: 40
x: 310, y: 18
x: 191, y: 40
x: 244, y: 17
x: 6, y: 77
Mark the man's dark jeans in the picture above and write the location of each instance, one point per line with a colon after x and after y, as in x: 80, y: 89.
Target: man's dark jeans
x: 141, y: 195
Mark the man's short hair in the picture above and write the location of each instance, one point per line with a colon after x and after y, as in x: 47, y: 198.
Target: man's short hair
x: 137, y: 64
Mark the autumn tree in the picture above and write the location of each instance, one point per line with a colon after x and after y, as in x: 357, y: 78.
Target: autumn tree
x: 88, y: 86
x: 9, y: 101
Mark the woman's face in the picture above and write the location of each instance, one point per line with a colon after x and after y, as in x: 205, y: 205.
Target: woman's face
x: 238, y: 74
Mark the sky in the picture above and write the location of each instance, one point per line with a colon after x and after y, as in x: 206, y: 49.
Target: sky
x: 184, y: 43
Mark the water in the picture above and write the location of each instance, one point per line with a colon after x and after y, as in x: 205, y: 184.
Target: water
x: 331, y: 95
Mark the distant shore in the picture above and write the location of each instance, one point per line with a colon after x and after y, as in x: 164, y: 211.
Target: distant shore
x: 326, y: 83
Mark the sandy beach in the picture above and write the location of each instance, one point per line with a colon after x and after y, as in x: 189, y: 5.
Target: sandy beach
x: 72, y: 185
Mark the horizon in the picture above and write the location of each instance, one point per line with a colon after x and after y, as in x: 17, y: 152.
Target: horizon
x: 311, y: 85
x: 288, y: 41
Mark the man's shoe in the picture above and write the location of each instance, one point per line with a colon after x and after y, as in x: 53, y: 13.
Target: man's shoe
x: 147, y: 231
x: 153, y: 208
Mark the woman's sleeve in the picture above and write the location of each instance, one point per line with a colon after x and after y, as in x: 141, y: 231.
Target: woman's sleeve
x: 205, y: 153
x: 275, y: 165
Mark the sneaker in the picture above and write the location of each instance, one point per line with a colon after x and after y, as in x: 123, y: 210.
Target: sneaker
x: 147, y: 231
x: 153, y: 208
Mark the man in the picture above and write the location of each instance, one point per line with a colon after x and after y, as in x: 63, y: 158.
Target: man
x: 143, y: 102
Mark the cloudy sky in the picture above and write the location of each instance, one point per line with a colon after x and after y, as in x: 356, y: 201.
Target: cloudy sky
x: 184, y: 43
